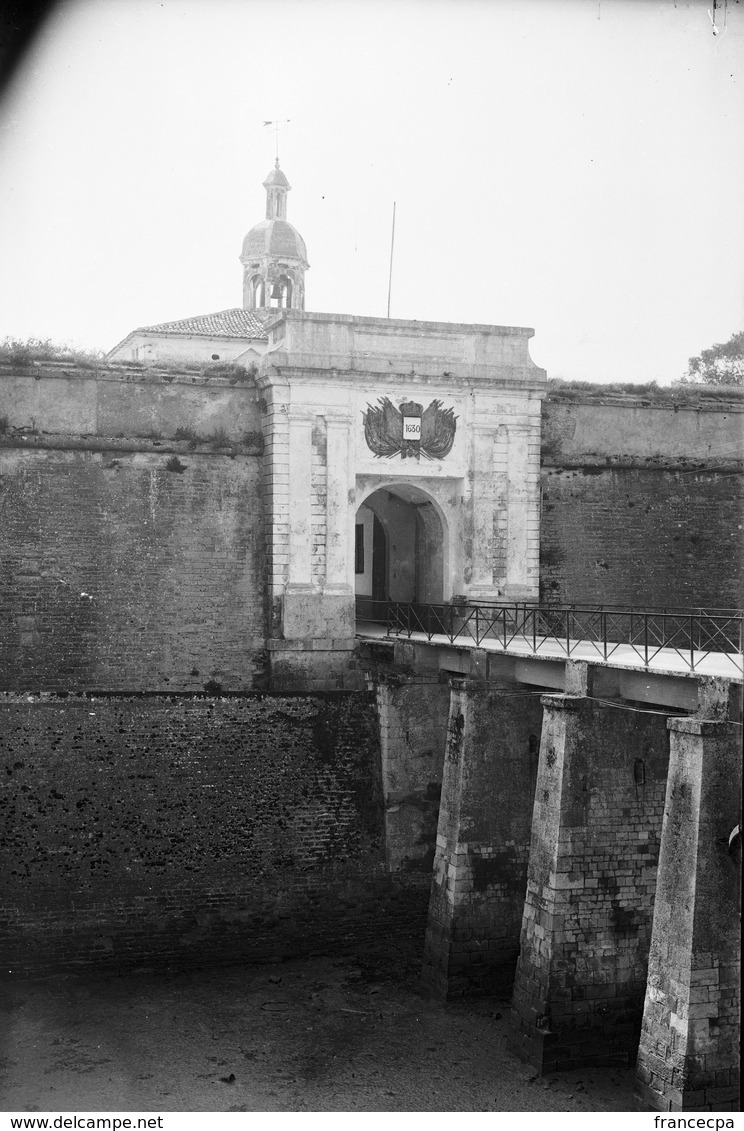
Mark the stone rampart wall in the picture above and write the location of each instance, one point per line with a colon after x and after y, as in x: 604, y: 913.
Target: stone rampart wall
x: 60, y: 398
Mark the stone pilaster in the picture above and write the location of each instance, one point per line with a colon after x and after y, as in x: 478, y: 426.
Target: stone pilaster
x: 688, y: 1059
x: 275, y: 492
x: 523, y: 513
x: 339, y: 577
x: 311, y: 644
x: 300, y: 478
x: 482, y: 586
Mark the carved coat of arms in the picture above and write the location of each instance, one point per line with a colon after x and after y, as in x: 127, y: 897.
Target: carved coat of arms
x: 410, y: 430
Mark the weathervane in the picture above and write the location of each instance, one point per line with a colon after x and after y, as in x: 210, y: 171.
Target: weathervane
x: 277, y: 125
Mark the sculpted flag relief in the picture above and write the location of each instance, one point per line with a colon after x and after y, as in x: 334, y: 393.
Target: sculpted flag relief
x: 409, y: 431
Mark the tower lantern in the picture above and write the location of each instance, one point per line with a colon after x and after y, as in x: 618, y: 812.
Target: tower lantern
x: 274, y: 257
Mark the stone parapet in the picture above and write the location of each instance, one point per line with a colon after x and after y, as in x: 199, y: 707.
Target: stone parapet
x: 344, y: 342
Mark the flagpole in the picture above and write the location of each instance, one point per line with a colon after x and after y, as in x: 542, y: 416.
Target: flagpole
x: 392, y: 245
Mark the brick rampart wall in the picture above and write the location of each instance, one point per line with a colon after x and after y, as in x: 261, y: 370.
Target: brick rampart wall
x: 170, y: 832
x: 643, y: 537
x: 642, y: 501
x: 129, y: 571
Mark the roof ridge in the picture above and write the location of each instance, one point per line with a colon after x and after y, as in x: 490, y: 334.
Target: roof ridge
x: 234, y: 322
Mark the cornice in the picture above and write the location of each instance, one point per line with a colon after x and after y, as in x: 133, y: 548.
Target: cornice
x: 469, y: 379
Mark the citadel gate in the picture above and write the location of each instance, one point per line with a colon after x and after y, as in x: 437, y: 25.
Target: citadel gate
x: 402, y: 463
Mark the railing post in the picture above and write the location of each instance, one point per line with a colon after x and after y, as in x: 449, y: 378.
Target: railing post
x: 692, y: 643
x: 477, y: 628
x: 645, y: 638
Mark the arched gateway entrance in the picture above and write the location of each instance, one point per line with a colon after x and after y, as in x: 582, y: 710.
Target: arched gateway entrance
x: 399, y: 547
x: 402, y: 462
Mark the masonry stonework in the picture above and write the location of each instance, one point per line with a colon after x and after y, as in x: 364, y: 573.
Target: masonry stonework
x: 641, y: 502
x: 596, y: 828
x: 120, y: 572
x: 460, y: 521
x: 412, y: 713
x: 164, y: 831
x: 689, y: 1052
x: 170, y: 534
x: 480, y: 866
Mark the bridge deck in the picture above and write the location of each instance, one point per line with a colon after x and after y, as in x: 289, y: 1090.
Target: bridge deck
x: 664, y: 661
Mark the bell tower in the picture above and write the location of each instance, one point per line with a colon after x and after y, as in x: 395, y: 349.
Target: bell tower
x: 274, y: 257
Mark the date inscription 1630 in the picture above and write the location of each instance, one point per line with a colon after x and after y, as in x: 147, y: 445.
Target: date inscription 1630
x: 409, y: 430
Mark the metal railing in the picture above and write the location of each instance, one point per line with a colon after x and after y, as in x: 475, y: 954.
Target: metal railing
x: 601, y: 630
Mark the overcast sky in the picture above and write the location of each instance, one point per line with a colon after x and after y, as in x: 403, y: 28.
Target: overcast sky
x: 572, y: 165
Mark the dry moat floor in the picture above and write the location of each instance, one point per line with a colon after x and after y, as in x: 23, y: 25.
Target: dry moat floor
x: 320, y: 1034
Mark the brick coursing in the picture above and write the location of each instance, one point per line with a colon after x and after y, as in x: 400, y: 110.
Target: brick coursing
x: 644, y: 537
x: 170, y: 832
x: 120, y: 573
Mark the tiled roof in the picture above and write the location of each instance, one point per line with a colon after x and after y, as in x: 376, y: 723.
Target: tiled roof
x: 235, y: 323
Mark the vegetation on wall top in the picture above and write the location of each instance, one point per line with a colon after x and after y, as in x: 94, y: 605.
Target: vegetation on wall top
x: 30, y: 351
x: 25, y: 352
x: 680, y: 393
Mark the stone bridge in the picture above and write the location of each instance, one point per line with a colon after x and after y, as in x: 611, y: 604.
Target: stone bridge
x: 585, y: 859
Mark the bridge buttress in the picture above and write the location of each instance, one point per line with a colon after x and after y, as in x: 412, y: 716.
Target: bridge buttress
x: 688, y: 1059
x: 412, y: 712
x: 596, y: 828
x: 480, y: 866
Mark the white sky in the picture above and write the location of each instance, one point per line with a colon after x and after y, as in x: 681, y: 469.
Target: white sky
x: 572, y: 165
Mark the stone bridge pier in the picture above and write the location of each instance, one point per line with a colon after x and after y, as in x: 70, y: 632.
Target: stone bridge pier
x: 596, y: 831
x: 483, y: 838
x: 688, y: 1058
x: 582, y: 863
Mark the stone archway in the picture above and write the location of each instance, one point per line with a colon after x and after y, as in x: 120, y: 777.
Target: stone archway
x: 400, y: 546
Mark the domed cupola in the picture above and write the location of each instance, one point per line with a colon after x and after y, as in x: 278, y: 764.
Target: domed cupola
x: 274, y: 257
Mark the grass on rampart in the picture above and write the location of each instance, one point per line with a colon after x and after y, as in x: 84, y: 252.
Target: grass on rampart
x: 14, y: 351
x: 679, y: 393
